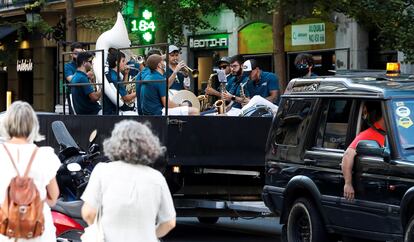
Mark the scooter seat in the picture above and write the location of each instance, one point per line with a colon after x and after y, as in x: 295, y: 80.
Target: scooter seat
x: 72, y: 209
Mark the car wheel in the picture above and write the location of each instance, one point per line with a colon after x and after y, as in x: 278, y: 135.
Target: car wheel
x: 208, y: 220
x: 283, y: 236
x: 304, y: 223
x: 409, y: 231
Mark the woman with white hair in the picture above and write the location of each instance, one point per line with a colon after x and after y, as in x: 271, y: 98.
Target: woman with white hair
x: 20, y: 128
x: 133, y: 198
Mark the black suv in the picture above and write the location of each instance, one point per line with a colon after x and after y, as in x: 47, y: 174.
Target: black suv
x: 316, y: 121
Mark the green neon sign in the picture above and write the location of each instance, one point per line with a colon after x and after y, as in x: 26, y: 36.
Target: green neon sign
x: 144, y: 26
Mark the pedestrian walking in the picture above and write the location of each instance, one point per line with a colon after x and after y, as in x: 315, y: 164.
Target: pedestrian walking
x: 25, y: 214
x: 133, y: 199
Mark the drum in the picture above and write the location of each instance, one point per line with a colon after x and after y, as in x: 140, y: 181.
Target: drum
x: 184, y: 97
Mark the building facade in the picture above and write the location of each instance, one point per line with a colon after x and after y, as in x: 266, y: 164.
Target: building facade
x: 28, y: 59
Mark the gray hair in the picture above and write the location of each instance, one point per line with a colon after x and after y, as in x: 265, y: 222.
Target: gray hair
x: 133, y: 142
x: 20, y: 121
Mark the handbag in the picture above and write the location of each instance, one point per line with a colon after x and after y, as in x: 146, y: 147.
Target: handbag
x: 94, y: 232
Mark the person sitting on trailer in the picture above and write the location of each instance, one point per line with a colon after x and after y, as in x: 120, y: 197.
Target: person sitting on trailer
x: 114, y: 58
x: 262, y: 83
x: 85, y: 98
x: 153, y: 94
x: 234, y: 82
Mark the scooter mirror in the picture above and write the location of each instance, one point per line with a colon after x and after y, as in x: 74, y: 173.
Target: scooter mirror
x: 74, y: 167
x: 92, y: 136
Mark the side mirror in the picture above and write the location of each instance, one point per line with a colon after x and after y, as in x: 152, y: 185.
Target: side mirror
x: 372, y: 148
x: 92, y: 136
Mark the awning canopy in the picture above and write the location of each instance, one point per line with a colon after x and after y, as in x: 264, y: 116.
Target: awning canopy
x: 6, y: 30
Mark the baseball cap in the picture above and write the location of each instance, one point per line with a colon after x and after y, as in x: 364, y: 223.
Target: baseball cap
x: 173, y: 48
x: 224, y: 59
x: 249, y: 65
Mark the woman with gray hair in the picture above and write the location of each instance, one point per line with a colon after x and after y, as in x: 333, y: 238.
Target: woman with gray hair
x: 134, y: 198
x: 20, y: 128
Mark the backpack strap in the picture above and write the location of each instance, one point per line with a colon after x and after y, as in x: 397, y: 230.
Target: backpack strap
x: 30, y: 162
x: 14, y: 164
x: 11, y: 159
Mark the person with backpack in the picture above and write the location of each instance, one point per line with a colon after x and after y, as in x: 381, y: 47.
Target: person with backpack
x: 28, y: 184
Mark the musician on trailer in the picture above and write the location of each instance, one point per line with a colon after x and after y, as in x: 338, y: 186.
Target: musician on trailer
x: 176, y: 79
x: 141, y: 76
x: 115, y: 57
x: 85, y: 98
x: 214, y: 89
x: 70, y: 69
x: 262, y: 83
x: 153, y: 94
x: 234, y: 82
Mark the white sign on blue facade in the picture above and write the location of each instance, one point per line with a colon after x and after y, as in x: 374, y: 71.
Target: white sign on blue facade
x: 308, y: 34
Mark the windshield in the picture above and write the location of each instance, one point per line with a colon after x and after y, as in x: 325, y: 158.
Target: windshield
x: 403, y: 112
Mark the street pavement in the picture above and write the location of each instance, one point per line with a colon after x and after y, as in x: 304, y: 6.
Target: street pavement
x: 226, y: 230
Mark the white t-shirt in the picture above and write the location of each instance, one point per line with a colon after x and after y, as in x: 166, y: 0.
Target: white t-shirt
x: 134, y: 198
x: 43, y: 170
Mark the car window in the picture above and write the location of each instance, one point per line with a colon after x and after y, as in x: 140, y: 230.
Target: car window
x: 293, y: 119
x: 333, y: 125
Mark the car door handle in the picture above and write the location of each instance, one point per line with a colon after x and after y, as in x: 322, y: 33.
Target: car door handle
x: 310, y: 162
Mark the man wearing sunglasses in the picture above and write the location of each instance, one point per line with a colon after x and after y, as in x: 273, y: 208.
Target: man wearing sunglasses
x: 224, y: 65
x: 85, y: 98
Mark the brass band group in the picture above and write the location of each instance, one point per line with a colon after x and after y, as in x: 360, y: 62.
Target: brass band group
x: 141, y: 84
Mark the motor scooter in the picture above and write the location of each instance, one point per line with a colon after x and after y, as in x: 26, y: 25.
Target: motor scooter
x: 72, y: 177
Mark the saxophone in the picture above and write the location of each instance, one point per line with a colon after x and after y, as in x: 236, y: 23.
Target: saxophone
x: 206, y: 100
x: 220, y: 105
x: 243, y: 95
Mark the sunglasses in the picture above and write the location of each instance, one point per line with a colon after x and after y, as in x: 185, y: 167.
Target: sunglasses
x: 223, y: 66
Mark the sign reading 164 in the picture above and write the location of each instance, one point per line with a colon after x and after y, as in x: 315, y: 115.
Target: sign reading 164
x: 142, y: 25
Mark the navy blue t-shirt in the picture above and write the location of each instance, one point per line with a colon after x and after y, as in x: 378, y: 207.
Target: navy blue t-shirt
x: 233, y: 87
x: 109, y: 107
x: 138, y: 86
x: 81, y: 101
x: 70, y: 69
x: 151, y: 94
x: 267, y: 82
x: 179, y: 80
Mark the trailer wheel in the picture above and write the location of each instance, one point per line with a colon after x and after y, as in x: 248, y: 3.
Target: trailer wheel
x: 304, y: 223
x: 409, y: 231
x: 208, y: 220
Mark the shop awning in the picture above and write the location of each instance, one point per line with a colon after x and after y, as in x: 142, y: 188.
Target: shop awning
x: 6, y: 30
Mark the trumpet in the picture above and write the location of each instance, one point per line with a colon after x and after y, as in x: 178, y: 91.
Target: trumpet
x: 193, y: 72
x: 187, y: 71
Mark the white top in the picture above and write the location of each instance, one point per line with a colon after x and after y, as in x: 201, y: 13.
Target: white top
x: 43, y: 170
x: 135, y: 199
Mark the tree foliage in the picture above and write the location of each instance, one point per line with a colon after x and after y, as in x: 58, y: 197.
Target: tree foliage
x: 393, y: 20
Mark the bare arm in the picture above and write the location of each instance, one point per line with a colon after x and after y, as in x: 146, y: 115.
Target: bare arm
x: 273, y: 96
x: 164, y: 228
x: 347, y: 164
x: 88, y: 213
x: 129, y: 97
x: 95, y: 96
x: 52, y: 190
x: 69, y: 78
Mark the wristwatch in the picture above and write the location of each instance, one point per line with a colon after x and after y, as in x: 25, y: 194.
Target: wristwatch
x: 233, y: 98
